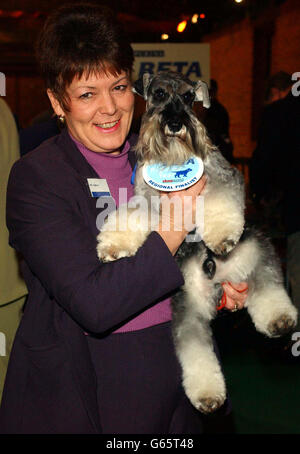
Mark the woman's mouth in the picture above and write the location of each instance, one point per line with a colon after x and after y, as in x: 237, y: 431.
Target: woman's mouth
x: 109, y: 127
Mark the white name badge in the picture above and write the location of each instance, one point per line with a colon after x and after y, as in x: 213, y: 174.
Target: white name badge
x: 98, y: 187
x: 175, y: 177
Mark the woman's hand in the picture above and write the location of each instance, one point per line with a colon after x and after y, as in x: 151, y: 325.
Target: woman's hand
x: 235, y: 296
x: 179, y: 219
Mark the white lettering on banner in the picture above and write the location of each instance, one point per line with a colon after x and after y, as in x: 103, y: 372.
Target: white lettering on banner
x: 2, y: 344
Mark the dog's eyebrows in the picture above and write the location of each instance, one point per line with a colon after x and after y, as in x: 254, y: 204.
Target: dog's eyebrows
x: 160, y: 85
x: 185, y: 88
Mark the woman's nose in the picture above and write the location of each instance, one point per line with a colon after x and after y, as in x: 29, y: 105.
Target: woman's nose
x: 107, y: 104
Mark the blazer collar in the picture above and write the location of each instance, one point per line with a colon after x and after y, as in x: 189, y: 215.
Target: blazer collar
x: 78, y: 161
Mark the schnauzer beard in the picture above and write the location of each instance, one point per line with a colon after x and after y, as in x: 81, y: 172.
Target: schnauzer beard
x: 157, y: 144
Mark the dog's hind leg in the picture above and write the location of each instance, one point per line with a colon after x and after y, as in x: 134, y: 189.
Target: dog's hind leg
x: 202, y: 377
x: 193, y: 308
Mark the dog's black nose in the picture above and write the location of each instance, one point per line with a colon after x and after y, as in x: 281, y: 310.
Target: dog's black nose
x: 175, y: 125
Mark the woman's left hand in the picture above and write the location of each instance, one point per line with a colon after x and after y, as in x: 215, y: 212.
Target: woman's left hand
x: 236, y: 295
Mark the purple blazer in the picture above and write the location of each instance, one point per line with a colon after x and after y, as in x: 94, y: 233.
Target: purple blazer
x: 51, y: 384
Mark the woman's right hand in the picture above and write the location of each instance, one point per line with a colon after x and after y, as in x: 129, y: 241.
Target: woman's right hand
x: 178, y: 218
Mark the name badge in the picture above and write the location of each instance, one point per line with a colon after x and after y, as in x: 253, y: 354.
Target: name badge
x: 98, y: 187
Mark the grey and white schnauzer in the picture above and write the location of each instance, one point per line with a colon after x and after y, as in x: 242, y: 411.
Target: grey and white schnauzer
x: 170, y: 134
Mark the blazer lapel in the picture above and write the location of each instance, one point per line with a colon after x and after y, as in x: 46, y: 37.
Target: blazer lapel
x: 84, y: 374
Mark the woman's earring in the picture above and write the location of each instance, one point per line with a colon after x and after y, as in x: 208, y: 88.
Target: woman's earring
x: 61, y: 119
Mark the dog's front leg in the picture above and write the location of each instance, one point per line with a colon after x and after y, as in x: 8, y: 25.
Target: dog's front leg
x: 223, y: 205
x: 124, y: 232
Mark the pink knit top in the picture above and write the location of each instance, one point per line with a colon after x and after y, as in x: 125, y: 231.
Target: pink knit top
x: 117, y: 171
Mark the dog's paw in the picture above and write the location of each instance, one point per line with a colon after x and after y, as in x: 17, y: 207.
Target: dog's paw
x: 111, y: 246
x: 222, y: 239
x: 210, y: 404
x: 116, y: 245
x: 223, y: 223
x: 281, y: 325
x: 272, y: 311
x: 206, y: 391
x: 224, y: 247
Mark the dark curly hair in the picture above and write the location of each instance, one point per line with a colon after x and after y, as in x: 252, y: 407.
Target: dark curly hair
x: 81, y: 38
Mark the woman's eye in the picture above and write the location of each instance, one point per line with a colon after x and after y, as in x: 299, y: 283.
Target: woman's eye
x: 120, y: 87
x: 86, y: 95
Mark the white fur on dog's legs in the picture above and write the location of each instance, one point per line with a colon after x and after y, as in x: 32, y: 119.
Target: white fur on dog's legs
x: 223, y: 222
x: 272, y: 311
x: 203, y: 380
x: 123, y: 233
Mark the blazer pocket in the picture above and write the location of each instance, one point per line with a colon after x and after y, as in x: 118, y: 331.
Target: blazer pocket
x: 46, y: 357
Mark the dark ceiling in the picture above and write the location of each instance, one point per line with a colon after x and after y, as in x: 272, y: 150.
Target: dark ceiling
x: 145, y: 20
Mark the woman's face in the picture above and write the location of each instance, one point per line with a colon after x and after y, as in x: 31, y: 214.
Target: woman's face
x: 100, y: 110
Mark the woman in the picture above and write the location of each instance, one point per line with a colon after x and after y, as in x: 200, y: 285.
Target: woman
x: 94, y: 351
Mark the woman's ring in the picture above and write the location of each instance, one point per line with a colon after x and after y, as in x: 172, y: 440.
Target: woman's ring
x: 235, y: 308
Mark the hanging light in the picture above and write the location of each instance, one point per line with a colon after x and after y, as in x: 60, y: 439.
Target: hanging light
x: 181, y: 26
x: 195, y: 18
x: 202, y: 16
x: 164, y: 36
x: 238, y: 1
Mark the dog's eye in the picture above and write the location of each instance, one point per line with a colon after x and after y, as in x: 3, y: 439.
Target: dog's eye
x: 160, y: 94
x: 188, y: 97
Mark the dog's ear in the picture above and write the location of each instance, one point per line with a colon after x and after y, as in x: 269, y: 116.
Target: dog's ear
x: 202, y: 93
x: 141, y: 85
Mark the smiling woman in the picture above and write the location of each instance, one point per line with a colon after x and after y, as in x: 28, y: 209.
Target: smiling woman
x: 94, y: 352
x: 100, y: 110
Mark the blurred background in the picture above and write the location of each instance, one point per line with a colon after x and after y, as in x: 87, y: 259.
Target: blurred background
x: 249, y: 40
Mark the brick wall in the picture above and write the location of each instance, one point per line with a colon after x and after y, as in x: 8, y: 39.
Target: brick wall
x: 26, y: 96
x: 232, y: 67
x: 286, y: 39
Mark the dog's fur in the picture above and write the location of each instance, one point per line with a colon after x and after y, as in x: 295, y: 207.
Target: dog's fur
x: 229, y: 251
